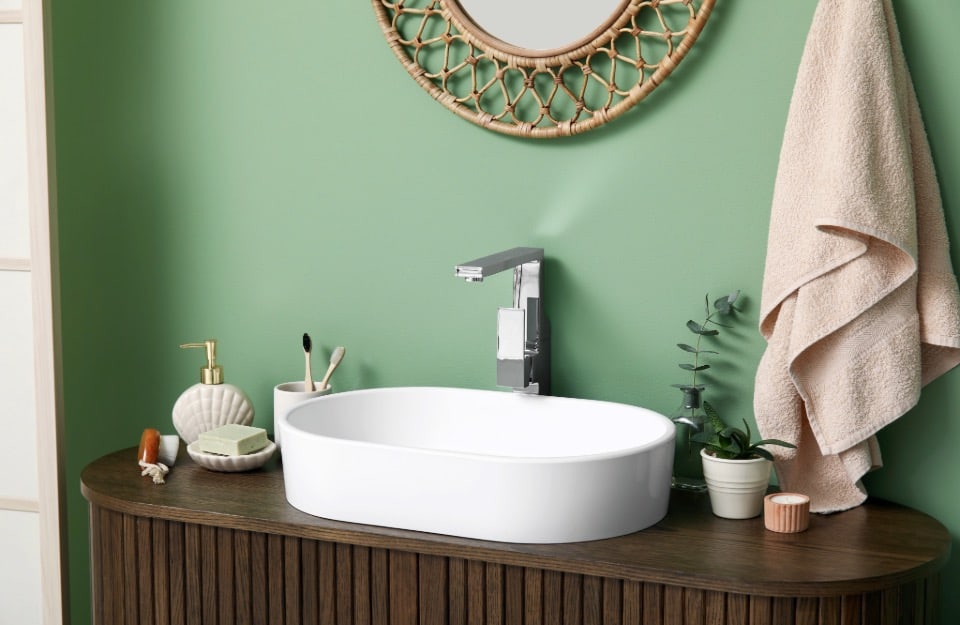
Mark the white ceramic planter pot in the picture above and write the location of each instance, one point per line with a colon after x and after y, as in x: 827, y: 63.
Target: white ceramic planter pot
x: 736, y: 487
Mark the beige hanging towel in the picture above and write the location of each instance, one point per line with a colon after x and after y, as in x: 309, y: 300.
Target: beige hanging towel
x: 860, y: 306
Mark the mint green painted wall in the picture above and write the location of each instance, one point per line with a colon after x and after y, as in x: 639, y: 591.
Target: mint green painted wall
x: 251, y: 172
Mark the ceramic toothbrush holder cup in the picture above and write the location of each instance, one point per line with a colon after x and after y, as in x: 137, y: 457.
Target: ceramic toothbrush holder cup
x: 288, y: 395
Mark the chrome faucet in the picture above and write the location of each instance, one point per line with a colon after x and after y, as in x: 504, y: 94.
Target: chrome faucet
x: 523, y: 334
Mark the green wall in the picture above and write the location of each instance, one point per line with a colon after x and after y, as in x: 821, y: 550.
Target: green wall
x: 250, y: 172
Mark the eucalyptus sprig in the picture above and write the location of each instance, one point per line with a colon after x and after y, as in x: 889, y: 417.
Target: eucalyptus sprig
x: 723, y: 306
x: 730, y: 443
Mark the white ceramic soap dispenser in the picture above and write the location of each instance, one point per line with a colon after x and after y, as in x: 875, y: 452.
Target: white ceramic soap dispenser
x: 212, y: 402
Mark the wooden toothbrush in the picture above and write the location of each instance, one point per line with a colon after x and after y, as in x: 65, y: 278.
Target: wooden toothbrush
x: 308, y: 378
x: 335, y: 359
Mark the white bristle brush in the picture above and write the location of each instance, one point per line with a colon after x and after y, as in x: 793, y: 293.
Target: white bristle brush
x: 308, y: 378
x: 335, y: 359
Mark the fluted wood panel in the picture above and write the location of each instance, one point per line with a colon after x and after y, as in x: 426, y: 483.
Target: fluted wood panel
x: 158, y: 572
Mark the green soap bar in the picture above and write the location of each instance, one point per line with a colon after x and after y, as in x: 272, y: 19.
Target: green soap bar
x: 233, y: 440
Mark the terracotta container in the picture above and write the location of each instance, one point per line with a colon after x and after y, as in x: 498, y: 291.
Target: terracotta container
x: 786, y: 513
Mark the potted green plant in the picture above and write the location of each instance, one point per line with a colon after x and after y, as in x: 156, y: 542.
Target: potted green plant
x: 689, y: 417
x: 736, y: 468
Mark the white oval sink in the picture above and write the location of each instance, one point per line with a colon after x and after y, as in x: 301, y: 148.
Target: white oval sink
x: 479, y: 464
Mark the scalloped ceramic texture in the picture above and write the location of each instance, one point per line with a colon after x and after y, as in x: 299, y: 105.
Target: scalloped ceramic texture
x: 204, y: 407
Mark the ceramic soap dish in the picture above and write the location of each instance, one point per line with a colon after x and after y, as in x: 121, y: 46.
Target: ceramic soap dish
x: 230, y: 464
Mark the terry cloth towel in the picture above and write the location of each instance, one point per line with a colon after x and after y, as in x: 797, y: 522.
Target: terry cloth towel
x: 860, y: 306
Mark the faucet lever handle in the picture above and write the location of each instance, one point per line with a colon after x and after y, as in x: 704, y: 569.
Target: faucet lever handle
x: 513, y: 367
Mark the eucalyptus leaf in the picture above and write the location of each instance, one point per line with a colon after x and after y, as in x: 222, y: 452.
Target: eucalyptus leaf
x: 688, y: 367
x: 694, y: 350
x: 696, y: 328
x: 725, y: 304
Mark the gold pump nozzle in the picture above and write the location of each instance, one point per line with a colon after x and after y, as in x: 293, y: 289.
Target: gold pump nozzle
x: 212, y: 373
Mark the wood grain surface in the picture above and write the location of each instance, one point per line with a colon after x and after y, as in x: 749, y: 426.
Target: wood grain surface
x: 227, y: 548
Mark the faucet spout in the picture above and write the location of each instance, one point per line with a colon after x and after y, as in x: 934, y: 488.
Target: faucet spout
x: 477, y: 270
x: 523, y: 338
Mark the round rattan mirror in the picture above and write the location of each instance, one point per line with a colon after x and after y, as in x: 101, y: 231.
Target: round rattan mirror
x: 551, y: 83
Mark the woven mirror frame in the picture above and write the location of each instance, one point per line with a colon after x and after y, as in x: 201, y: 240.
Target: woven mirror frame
x: 529, y: 93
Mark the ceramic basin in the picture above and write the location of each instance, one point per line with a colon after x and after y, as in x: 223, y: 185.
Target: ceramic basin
x: 490, y: 465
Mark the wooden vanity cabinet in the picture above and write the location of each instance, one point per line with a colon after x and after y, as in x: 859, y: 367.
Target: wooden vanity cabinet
x: 220, y: 548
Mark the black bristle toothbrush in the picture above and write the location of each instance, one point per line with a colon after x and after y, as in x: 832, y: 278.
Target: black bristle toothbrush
x: 308, y: 378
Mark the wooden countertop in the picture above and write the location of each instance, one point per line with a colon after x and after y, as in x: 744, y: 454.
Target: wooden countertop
x: 875, y: 546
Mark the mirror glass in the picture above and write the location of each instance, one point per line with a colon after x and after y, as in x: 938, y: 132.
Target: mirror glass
x: 542, y: 24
